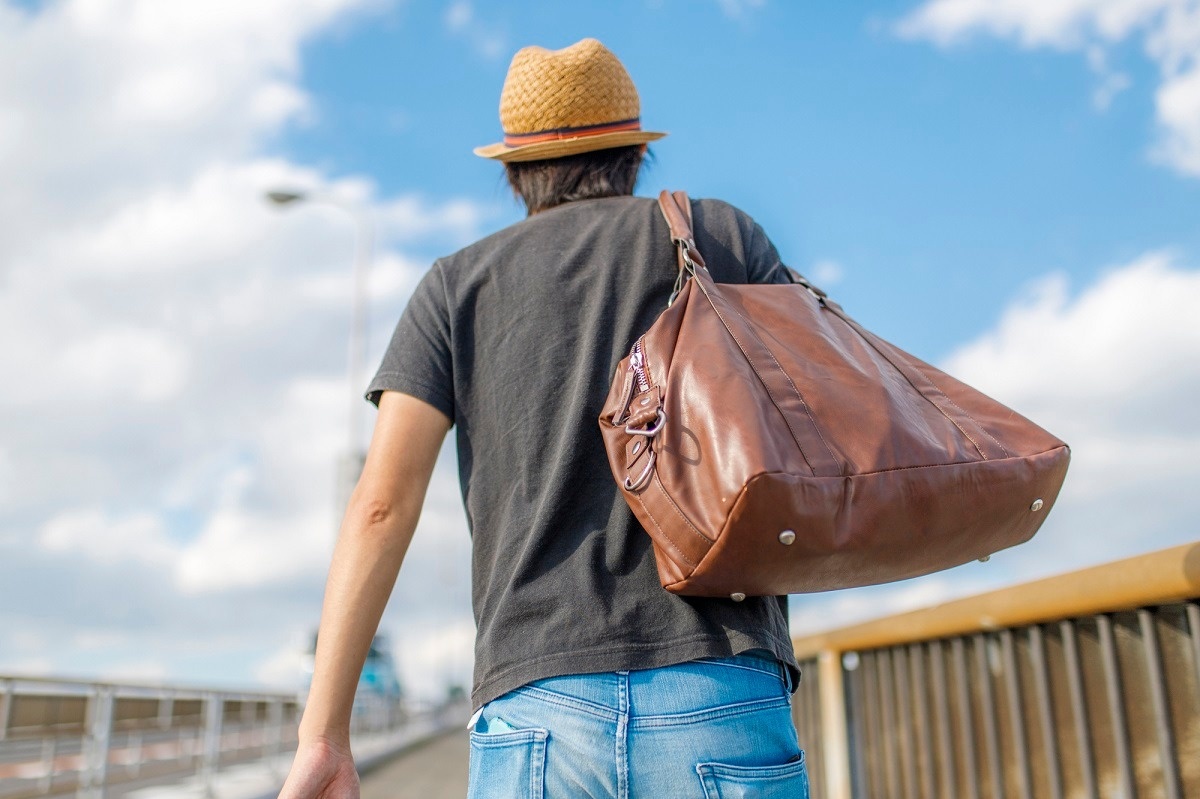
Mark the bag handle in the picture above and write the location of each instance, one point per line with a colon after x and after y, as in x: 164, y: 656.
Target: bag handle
x: 677, y: 210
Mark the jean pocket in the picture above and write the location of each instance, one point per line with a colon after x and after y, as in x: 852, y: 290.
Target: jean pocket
x: 507, y: 764
x: 788, y: 781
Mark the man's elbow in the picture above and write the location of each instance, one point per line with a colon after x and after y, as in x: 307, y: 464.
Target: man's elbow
x: 372, y: 515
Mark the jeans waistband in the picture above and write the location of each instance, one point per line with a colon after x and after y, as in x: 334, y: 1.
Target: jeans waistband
x: 677, y: 689
x: 758, y: 660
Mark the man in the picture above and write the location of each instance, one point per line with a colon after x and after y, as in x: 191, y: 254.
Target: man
x: 590, y: 679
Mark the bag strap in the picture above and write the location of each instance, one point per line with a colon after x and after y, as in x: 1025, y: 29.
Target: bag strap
x: 678, y: 214
x: 677, y: 210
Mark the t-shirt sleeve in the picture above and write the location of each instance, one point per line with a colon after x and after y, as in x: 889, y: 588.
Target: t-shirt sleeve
x: 419, y: 360
x: 763, y: 264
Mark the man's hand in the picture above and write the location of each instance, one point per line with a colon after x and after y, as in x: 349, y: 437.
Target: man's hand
x: 321, y: 771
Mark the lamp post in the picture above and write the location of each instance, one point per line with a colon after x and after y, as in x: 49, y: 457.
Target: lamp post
x: 351, y: 463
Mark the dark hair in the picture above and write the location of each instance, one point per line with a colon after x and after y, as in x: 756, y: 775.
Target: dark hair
x: 553, y: 181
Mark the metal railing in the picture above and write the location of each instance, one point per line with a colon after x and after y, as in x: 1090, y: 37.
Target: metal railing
x: 59, y: 737
x: 1081, y: 685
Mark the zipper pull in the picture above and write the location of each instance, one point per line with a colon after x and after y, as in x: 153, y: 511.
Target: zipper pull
x: 637, y: 362
x: 635, y: 359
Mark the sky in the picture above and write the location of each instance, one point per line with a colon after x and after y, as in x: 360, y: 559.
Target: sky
x: 1007, y: 188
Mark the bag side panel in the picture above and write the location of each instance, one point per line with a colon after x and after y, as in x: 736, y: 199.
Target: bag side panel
x: 886, y: 526
x: 675, y: 531
x: 1017, y: 434
x: 721, y: 429
x: 869, y: 412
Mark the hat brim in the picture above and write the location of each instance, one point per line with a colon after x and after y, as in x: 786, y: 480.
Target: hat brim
x: 561, y: 147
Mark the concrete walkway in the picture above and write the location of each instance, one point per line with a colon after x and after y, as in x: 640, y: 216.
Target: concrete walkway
x: 436, y: 769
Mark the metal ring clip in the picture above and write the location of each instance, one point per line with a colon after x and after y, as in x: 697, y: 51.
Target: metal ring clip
x: 685, y: 247
x: 644, y: 477
x: 648, y: 431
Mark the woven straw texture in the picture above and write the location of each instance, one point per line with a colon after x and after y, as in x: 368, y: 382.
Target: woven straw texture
x: 583, y: 84
x: 576, y: 87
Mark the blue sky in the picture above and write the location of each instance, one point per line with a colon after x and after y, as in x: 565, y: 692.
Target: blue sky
x: 1008, y: 189
x: 918, y: 169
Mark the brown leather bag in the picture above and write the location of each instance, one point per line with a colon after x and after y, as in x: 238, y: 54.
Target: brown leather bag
x: 770, y: 445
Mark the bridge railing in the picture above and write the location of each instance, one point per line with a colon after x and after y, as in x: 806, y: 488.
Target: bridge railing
x: 60, y: 736
x: 1081, y: 685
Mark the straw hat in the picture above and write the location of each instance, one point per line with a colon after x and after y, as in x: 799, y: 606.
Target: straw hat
x: 563, y: 102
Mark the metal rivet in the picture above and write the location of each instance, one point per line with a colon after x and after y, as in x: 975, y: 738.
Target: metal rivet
x: 1037, y: 505
x: 787, y: 537
x: 645, y: 401
x: 985, y: 558
x: 637, y: 446
x: 737, y: 596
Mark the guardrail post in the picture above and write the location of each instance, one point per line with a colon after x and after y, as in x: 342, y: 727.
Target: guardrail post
x: 49, y: 754
x: 274, y: 736
x: 95, y: 744
x: 6, y: 703
x: 246, y: 728
x: 214, y: 709
x: 166, y: 709
x: 834, y: 738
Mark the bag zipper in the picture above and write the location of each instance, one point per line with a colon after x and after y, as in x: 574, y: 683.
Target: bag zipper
x: 637, y: 362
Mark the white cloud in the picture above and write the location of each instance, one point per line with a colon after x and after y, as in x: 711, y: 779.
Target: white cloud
x: 411, y: 217
x: 137, y: 671
x: 1125, y: 352
x: 275, y: 520
x: 242, y: 548
x: 485, y: 39
x: 36, y: 666
x: 1178, y: 104
x: 433, y: 657
x: 819, y: 612
x: 1111, y: 83
x: 7, y: 477
x: 175, y: 397
x: 113, y: 94
x: 1170, y: 30
x: 280, y: 668
x: 124, y: 363
x: 459, y: 15
x: 827, y: 272
x: 1114, y: 372
x: 96, y: 535
x: 1034, y: 23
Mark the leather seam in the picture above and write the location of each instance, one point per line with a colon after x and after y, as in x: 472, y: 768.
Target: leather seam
x: 787, y: 377
x: 666, y: 537
x: 925, y: 466
x: 658, y: 482
x: 758, y: 374
x: 964, y: 413
x: 870, y: 340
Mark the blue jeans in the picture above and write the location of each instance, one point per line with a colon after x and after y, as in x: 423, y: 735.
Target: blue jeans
x: 706, y: 729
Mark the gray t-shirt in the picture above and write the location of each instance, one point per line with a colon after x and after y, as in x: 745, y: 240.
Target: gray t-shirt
x: 516, y: 339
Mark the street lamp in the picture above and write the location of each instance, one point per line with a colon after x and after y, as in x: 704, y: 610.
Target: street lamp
x: 285, y: 197
x: 352, y: 461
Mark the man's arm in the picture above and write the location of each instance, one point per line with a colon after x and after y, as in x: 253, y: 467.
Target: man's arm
x: 379, y: 523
